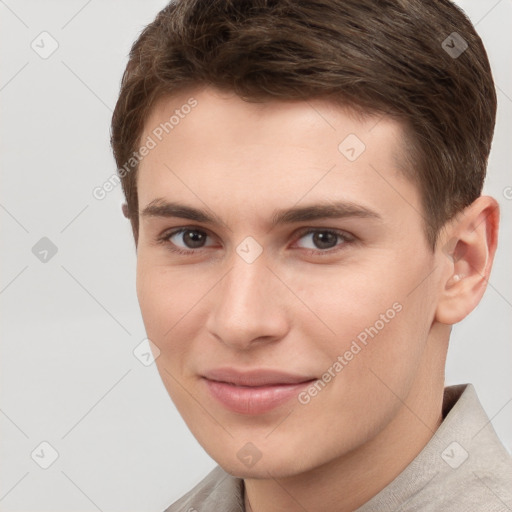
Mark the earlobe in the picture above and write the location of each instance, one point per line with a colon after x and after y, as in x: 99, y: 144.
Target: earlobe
x: 467, y: 259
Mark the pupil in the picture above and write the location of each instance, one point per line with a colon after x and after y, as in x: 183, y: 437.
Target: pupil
x: 193, y: 239
x: 325, y: 239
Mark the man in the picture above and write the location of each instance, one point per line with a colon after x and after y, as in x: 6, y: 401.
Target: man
x: 303, y: 180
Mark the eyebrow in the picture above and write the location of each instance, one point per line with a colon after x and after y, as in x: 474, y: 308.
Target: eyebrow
x: 334, y: 210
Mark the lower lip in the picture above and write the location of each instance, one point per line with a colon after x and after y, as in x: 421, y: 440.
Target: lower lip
x: 253, y: 400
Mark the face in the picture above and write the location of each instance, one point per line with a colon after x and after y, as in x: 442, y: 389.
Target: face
x: 284, y: 275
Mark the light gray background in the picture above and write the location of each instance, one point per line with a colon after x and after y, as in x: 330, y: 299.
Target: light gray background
x: 69, y: 326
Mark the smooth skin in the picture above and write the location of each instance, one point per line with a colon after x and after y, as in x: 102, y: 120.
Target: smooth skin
x: 301, y: 303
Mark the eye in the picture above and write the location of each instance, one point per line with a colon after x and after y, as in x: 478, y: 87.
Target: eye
x: 188, y: 238
x: 318, y: 241
x: 323, y: 239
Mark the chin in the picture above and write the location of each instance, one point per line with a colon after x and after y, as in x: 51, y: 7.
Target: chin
x: 263, y: 465
x: 261, y: 470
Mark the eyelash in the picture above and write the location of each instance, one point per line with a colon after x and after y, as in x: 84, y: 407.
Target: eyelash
x: 345, y: 237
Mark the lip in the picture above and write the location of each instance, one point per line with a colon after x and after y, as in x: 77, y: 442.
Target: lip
x: 255, y: 391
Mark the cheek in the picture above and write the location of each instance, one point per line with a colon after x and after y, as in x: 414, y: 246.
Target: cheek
x: 377, y: 318
x: 346, y: 302
x: 153, y: 298
x: 173, y: 303
x: 165, y: 293
x: 164, y: 299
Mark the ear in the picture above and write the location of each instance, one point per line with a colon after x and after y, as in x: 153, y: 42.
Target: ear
x: 466, y: 253
x: 126, y: 211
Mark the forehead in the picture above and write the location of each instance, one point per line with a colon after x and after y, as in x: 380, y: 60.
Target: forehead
x: 225, y: 116
x: 209, y: 144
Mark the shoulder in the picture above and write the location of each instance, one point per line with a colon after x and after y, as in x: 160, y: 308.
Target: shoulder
x: 472, y: 470
x: 463, y: 467
x: 217, y: 491
x: 485, y: 484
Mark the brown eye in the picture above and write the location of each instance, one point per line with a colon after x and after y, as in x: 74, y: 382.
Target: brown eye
x: 325, y: 239
x: 186, y: 238
x: 194, y: 239
x: 321, y: 239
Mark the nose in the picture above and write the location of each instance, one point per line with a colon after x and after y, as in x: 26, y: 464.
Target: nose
x: 248, y: 307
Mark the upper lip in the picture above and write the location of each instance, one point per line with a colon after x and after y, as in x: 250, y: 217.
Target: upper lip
x: 256, y: 377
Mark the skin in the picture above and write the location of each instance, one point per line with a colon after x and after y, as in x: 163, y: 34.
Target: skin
x: 298, y: 307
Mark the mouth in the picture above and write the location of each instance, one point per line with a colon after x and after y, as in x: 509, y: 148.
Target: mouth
x: 254, y: 392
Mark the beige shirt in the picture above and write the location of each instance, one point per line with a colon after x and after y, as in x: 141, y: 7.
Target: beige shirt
x: 463, y: 468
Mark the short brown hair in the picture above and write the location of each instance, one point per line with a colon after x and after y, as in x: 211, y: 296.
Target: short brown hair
x: 403, y: 58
